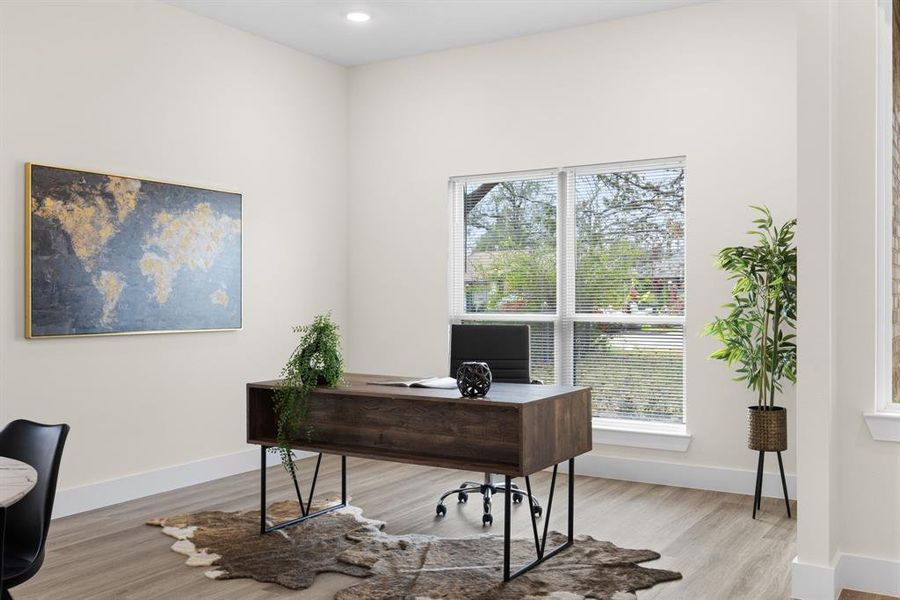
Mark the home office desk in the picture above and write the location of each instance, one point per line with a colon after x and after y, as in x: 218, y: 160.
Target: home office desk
x: 517, y: 430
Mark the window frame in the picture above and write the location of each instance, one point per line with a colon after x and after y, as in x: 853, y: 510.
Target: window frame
x: 884, y: 420
x: 618, y: 431
x: 884, y: 234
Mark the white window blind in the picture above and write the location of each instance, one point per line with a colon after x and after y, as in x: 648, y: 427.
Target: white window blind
x: 506, y: 242
x: 592, y: 258
x: 628, y: 288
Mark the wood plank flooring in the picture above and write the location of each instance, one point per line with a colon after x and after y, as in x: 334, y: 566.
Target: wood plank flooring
x: 708, y: 536
x: 854, y: 595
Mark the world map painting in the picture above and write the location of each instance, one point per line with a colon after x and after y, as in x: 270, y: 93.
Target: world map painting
x: 109, y: 255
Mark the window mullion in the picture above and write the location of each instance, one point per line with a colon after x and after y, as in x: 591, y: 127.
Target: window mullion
x: 565, y: 228
x: 457, y: 251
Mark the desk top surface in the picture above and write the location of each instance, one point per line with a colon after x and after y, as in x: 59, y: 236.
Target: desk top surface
x: 359, y: 384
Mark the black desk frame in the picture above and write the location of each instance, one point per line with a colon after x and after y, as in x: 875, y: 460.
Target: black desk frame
x: 304, y: 508
x: 540, y: 542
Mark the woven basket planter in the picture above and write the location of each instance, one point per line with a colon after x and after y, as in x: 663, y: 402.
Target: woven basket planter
x: 767, y: 428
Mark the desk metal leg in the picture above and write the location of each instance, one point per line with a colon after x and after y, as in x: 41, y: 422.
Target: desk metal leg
x: 343, y: 480
x: 304, y: 507
x: 540, y: 543
x: 262, y: 489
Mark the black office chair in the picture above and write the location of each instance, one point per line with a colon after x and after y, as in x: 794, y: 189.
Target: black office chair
x: 28, y: 520
x: 506, y: 350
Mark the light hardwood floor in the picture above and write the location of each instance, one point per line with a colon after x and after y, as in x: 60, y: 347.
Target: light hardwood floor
x: 708, y: 536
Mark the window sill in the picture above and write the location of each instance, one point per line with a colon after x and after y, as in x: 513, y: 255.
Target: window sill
x: 656, y: 436
x: 884, y: 426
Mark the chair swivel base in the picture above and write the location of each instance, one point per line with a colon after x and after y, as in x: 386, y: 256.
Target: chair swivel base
x: 487, y: 490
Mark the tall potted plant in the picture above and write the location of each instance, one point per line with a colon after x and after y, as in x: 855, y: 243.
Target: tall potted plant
x: 757, y: 334
x: 315, y: 361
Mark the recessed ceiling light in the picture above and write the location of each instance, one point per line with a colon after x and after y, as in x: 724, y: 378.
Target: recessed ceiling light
x: 358, y: 17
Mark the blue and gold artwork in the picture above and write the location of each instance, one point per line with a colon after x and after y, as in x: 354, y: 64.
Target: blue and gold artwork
x: 108, y: 255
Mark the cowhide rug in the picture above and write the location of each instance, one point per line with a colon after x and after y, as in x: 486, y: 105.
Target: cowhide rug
x: 422, y: 567
x: 230, y: 543
x: 428, y: 567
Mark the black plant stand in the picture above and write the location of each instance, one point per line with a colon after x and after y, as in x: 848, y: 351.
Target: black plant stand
x: 757, y: 498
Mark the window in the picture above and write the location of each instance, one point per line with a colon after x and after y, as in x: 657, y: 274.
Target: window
x: 592, y: 258
x: 504, y: 258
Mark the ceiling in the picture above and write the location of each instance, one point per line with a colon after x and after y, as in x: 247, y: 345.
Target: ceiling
x: 405, y: 28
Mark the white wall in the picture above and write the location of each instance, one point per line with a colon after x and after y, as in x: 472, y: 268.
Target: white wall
x: 149, y: 90
x: 715, y: 82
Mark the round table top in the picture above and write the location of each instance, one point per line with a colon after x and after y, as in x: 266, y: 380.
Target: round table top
x: 16, y: 480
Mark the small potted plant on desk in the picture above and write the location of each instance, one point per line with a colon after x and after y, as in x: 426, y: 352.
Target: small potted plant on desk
x: 316, y: 361
x: 757, y: 333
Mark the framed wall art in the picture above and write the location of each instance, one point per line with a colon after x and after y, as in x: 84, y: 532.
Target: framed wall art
x: 107, y: 255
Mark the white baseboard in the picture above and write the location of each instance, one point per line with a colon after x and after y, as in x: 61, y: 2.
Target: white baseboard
x: 847, y: 571
x: 867, y: 574
x: 813, y: 582
x: 113, y: 491
x: 718, y: 479
x: 122, y: 489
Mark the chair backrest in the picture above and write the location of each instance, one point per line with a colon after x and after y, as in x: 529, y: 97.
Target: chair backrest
x: 503, y: 347
x: 41, y: 446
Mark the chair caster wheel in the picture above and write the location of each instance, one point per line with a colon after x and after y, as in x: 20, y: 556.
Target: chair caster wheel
x: 462, y: 497
x: 517, y: 498
x: 537, y: 510
x: 441, y: 510
x: 486, y: 520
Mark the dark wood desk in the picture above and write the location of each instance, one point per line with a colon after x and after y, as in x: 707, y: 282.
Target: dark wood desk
x: 517, y: 430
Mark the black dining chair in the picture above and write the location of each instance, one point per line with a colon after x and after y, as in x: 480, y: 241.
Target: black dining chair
x: 28, y: 520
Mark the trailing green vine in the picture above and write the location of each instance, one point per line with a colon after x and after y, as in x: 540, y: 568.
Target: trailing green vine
x: 316, y: 361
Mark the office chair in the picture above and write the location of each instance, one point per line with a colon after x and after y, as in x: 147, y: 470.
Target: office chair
x: 28, y: 520
x: 505, y: 348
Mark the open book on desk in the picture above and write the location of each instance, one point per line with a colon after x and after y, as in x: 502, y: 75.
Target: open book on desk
x: 443, y: 383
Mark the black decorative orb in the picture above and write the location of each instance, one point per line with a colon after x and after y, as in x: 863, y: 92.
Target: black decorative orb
x: 473, y: 379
